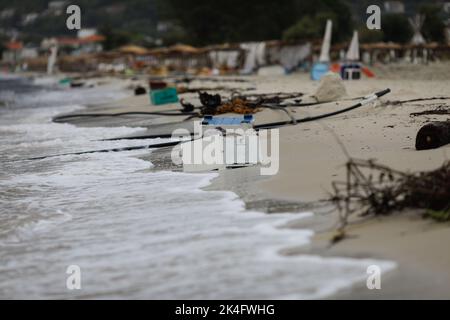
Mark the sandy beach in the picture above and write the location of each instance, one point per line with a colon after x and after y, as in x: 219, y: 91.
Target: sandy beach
x: 311, y: 158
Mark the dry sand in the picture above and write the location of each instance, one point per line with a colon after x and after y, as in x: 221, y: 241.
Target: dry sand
x: 310, y: 158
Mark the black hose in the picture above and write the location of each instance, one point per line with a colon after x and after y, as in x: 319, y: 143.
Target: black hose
x: 151, y: 146
x: 321, y: 116
x: 154, y: 136
x: 277, y: 124
x: 259, y: 127
x: 95, y: 115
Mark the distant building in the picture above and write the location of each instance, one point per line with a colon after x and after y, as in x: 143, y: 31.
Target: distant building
x: 446, y: 7
x: 10, y: 33
x: 7, y: 13
x: 29, y: 53
x: 87, y: 32
x: 13, y: 51
x: 394, y: 7
x: 164, y: 26
x: 115, y: 9
x: 29, y: 18
x: 76, y: 46
x: 57, y: 7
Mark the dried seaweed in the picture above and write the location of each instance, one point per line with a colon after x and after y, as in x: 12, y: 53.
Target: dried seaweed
x: 239, y: 106
x: 242, y: 104
x: 440, y: 110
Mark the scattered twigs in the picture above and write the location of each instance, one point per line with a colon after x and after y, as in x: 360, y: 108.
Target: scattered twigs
x: 440, y: 110
x: 374, y: 189
x: 399, y: 102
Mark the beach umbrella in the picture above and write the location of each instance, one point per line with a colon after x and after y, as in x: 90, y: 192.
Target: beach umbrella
x: 321, y: 67
x: 132, y: 49
x: 353, y: 49
x: 325, y: 50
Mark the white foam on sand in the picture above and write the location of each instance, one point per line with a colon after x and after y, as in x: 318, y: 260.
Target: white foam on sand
x: 142, y: 234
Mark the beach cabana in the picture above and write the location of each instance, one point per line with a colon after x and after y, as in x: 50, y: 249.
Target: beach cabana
x: 180, y: 57
x: 133, y: 50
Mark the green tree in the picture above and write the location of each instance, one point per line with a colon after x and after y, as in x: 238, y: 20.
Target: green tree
x: 433, y: 28
x: 370, y: 36
x: 207, y: 21
x: 396, y: 28
x: 306, y: 28
x: 114, y: 38
x: 312, y: 24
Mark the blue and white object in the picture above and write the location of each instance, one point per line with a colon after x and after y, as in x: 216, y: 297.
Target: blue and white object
x: 351, y: 69
x: 320, y: 68
x: 228, y: 121
x: 232, y: 140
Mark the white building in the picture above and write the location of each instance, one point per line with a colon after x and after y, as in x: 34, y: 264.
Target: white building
x: 394, y: 7
x: 86, y: 32
x: 29, y: 18
x: 29, y: 53
x: 446, y: 7
x: 57, y: 7
x: 7, y: 13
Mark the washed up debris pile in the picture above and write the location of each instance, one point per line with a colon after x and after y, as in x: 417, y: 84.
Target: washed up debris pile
x: 214, y: 104
x: 374, y: 189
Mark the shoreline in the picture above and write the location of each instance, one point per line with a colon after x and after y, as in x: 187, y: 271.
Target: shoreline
x: 310, y: 159
x: 373, y: 238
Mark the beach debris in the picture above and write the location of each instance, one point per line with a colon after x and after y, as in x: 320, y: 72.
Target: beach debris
x: 162, y: 92
x: 331, y: 88
x: 214, y: 105
x: 433, y: 135
x: 139, y: 90
x: 374, y: 189
x: 157, y: 85
x: 76, y: 84
x: 440, y: 110
x: 238, y: 105
x: 187, y: 107
x: 164, y: 96
x: 184, y: 89
x: 400, y: 102
x: 270, y: 98
x: 242, y: 104
x: 210, y: 101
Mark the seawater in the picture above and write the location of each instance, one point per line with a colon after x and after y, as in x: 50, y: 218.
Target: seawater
x: 134, y: 233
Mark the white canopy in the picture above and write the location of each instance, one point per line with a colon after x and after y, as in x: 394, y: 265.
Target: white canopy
x: 353, y: 49
x: 325, y: 51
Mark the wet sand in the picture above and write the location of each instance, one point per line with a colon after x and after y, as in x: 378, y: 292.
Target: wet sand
x: 311, y: 158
